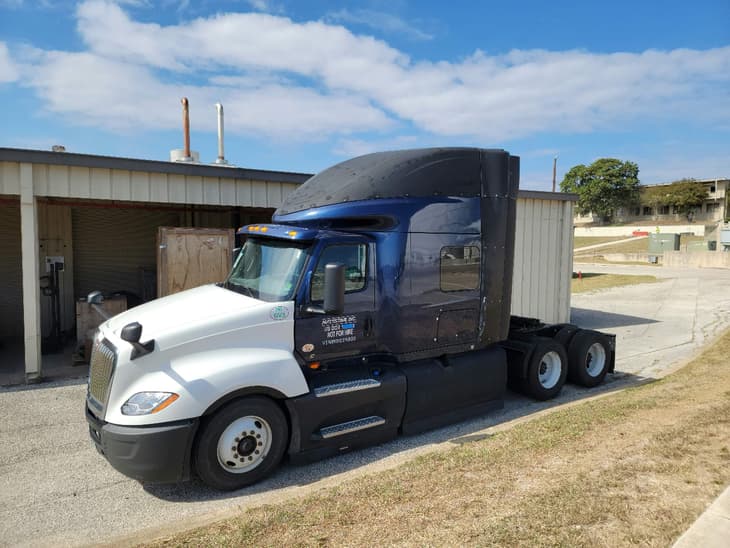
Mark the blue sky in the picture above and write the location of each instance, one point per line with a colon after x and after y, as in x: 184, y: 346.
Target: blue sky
x: 307, y: 84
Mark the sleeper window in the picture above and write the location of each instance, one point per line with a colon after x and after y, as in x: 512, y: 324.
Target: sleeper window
x: 460, y: 268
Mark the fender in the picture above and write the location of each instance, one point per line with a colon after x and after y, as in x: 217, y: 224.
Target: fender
x: 248, y: 391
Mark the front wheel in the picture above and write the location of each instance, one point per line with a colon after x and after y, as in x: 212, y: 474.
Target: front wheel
x: 547, y: 370
x: 241, y: 444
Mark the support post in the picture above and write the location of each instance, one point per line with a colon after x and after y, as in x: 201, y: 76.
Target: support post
x: 31, y: 285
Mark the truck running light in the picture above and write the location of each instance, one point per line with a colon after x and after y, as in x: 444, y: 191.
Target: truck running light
x: 144, y: 403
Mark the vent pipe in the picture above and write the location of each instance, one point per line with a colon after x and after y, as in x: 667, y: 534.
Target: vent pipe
x: 221, y: 157
x: 185, y: 154
x: 186, y: 130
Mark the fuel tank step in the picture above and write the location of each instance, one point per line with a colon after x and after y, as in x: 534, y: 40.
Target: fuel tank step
x: 351, y: 426
x: 344, y: 387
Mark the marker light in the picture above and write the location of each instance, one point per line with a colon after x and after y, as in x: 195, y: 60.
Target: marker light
x: 144, y: 403
x: 264, y: 228
x: 292, y: 233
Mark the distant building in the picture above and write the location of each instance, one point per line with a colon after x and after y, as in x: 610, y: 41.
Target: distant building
x: 714, y: 209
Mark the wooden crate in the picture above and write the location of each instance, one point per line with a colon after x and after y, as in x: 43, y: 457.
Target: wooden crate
x: 190, y: 257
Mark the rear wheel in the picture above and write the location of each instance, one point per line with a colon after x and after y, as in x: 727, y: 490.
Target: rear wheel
x: 241, y: 444
x: 588, y: 356
x: 547, y: 370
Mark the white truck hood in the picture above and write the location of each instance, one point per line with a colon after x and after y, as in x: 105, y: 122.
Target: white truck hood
x: 200, y: 306
x: 209, y: 342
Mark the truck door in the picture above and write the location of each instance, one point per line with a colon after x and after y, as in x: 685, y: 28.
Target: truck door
x: 326, y: 336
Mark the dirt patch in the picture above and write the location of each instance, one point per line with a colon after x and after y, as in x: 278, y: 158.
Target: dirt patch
x: 636, y: 467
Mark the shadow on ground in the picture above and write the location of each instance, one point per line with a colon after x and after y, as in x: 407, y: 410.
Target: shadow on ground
x: 597, y: 319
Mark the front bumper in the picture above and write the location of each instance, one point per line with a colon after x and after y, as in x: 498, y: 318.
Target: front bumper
x: 154, y: 454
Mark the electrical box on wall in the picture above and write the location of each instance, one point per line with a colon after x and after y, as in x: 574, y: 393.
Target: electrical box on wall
x: 57, y: 260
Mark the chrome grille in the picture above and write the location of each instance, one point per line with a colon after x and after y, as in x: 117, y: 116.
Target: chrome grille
x: 100, y: 371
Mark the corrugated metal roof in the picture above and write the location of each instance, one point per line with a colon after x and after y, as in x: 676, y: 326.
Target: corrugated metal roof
x: 150, y: 166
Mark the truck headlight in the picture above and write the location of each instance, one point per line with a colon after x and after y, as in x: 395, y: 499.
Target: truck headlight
x: 144, y: 403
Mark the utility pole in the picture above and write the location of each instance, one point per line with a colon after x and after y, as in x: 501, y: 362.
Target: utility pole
x: 555, y: 169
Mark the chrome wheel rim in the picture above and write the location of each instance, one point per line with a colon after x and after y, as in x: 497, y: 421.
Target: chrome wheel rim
x: 549, y: 371
x: 244, y: 444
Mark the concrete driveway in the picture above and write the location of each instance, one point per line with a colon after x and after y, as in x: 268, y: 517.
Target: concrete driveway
x: 55, y: 488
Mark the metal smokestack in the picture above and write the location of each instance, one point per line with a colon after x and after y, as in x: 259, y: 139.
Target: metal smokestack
x: 185, y: 154
x: 186, y: 129
x: 221, y: 156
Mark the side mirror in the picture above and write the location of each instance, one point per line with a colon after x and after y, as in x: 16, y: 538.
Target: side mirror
x: 131, y: 332
x: 334, y: 288
x: 95, y: 297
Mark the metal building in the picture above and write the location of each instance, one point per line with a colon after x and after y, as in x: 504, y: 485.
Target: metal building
x: 99, y: 215
x: 543, y: 265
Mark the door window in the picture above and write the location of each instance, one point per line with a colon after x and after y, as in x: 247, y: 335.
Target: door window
x: 353, y: 256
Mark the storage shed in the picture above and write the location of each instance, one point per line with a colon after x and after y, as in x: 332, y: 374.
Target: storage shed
x: 94, y: 219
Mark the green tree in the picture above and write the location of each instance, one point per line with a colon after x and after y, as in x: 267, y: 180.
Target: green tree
x: 686, y: 195
x: 604, y: 186
x: 654, y: 196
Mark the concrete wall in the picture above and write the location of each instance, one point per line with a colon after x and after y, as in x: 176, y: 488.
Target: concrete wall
x: 615, y: 257
x: 703, y: 259
x: 601, y: 231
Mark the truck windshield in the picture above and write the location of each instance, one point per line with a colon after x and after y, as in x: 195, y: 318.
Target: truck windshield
x: 267, y: 269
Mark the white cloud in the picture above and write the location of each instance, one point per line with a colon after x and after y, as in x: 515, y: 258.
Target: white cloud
x: 357, y: 147
x: 266, y: 6
x: 134, y: 3
x: 8, y: 71
x: 379, y: 21
x: 294, y: 79
x: 118, y: 95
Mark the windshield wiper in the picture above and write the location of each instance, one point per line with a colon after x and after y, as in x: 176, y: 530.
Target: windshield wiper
x: 238, y: 288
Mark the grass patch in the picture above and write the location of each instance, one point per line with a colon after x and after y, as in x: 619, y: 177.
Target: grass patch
x: 633, y: 468
x: 583, y: 241
x: 638, y: 246
x: 593, y: 281
x: 633, y: 246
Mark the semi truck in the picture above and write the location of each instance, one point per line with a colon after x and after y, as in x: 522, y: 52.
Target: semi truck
x: 375, y: 304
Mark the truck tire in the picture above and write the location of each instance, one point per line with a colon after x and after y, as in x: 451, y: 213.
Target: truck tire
x: 241, y: 444
x: 547, y: 370
x: 588, y: 355
x: 565, y: 335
